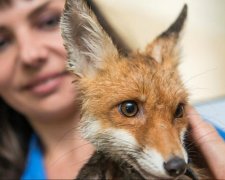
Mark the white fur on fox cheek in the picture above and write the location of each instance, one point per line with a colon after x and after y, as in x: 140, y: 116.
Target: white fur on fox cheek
x: 89, y: 127
x: 122, y: 137
x: 151, y: 161
x: 92, y: 130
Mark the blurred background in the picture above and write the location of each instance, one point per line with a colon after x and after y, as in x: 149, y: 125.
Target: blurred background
x: 202, y: 66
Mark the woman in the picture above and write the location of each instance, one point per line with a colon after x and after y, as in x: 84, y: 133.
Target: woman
x: 38, y: 106
x: 36, y: 92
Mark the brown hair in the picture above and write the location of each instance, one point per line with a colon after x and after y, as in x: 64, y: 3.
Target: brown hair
x: 5, y: 3
x: 14, y: 135
x: 14, y: 138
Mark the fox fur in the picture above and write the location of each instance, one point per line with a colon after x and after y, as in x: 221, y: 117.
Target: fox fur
x: 136, y: 146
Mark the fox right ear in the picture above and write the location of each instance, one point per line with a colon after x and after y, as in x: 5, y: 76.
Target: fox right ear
x: 165, y: 48
x: 86, y: 42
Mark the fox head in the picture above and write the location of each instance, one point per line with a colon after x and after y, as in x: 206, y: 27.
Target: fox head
x: 133, y: 107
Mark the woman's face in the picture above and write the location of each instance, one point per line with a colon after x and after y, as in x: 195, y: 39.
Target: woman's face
x: 33, y: 79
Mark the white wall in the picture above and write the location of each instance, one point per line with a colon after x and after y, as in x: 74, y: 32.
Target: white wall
x: 203, y: 61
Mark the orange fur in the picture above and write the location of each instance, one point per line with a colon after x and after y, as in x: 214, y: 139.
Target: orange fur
x: 161, y: 88
x: 107, y: 79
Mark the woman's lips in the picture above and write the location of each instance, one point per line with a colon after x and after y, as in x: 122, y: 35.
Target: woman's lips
x: 45, y: 85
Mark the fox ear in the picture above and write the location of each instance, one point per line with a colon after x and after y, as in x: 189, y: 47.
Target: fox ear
x: 86, y: 42
x: 165, y: 48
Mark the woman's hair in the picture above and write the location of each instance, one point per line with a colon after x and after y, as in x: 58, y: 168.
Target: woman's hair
x: 14, y: 139
x: 5, y: 3
x: 15, y: 133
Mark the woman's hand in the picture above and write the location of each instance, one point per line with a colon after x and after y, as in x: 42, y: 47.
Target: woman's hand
x: 211, y: 145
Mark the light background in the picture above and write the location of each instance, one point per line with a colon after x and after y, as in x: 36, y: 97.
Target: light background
x: 203, y: 54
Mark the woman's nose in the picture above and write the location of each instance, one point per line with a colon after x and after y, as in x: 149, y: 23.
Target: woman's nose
x: 32, y: 51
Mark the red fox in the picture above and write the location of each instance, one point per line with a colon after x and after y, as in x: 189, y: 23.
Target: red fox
x: 132, y: 107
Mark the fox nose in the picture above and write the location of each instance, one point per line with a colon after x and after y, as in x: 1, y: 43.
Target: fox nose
x: 175, y: 166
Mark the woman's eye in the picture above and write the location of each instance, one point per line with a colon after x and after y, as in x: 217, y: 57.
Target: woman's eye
x: 128, y: 108
x: 4, y: 41
x: 179, y: 113
x: 49, y: 22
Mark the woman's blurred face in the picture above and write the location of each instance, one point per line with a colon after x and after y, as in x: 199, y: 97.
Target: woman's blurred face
x: 32, y: 58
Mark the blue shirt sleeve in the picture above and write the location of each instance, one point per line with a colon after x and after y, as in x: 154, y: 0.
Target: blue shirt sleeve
x: 35, y: 165
x: 214, y: 112
x: 221, y: 132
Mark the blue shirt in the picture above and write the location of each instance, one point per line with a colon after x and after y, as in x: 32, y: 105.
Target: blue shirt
x: 221, y: 132
x: 214, y: 112
x: 35, y: 162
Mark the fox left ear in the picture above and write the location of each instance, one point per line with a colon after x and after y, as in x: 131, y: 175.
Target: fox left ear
x: 164, y: 49
x: 87, y: 44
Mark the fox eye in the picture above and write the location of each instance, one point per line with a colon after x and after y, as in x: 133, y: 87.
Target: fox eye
x: 179, y: 113
x: 128, y: 108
